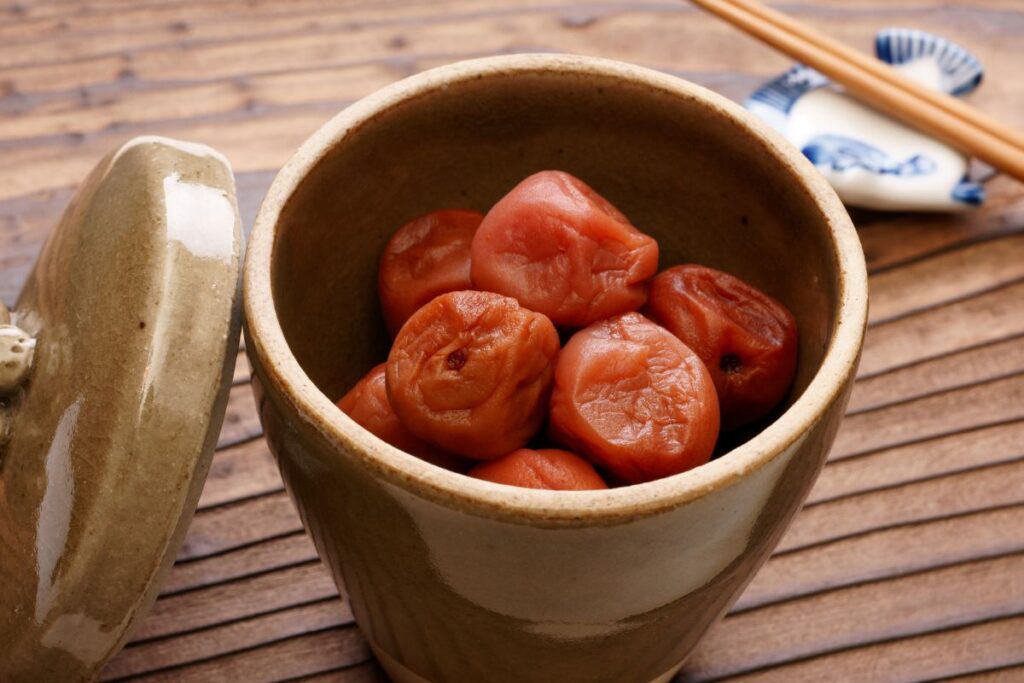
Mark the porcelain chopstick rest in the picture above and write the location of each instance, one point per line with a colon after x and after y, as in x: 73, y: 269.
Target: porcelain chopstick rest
x: 872, y: 160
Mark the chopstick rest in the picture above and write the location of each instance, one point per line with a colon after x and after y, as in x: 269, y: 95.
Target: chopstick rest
x: 872, y: 160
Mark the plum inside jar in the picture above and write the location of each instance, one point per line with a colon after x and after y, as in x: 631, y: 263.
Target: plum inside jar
x: 747, y: 339
x: 471, y: 372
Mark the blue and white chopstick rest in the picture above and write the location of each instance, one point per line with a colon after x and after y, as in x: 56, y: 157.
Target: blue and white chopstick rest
x: 874, y: 161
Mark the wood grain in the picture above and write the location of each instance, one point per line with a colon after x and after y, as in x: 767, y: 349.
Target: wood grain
x: 905, y: 563
x: 920, y: 460
x: 275, y: 552
x: 188, y: 610
x: 239, y: 635
x: 287, y: 658
x: 252, y: 459
x: 239, y: 524
x: 941, y: 654
x: 986, y: 361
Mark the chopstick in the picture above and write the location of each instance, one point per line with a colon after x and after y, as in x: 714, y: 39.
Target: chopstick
x: 937, y: 114
x: 881, y: 70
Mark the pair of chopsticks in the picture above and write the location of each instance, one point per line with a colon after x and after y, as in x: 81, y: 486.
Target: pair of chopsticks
x: 940, y: 115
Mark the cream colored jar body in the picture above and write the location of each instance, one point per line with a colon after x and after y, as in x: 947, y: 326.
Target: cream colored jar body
x: 454, y: 579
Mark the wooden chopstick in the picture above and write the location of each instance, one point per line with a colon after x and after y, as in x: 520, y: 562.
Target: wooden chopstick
x: 952, y: 121
x: 881, y: 70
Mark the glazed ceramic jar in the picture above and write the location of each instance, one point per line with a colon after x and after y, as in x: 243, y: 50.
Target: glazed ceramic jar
x: 453, y: 579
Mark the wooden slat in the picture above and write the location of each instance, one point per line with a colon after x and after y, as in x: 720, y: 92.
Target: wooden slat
x: 977, y: 489
x: 925, y: 657
x: 204, y: 607
x: 863, y: 614
x: 1000, y: 674
x: 884, y: 553
x: 82, y: 30
x: 230, y: 636
x: 987, y: 361
x: 241, y: 375
x: 979, y: 319
x: 223, y: 528
x: 999, y: 400
x: 947, y: 276
x: 920, y: 460
x: 267, y: 554
x: 338, y: 41
x: 893, y: 240
x: 240, y: 471
x: 285, y: 659
x: 241, y: 422
x: 147, y: 58
x: 368, y: 672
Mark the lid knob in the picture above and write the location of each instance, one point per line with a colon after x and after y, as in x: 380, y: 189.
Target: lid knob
x: 16, y: 348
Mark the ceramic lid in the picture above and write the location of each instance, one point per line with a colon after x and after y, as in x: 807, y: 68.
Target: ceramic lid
x: 115, y: 366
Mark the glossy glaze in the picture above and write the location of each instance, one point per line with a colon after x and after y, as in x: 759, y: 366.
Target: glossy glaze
x: 454, y: 579
x: 134, y: 306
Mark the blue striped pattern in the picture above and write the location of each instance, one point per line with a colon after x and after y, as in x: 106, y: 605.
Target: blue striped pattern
x: 773, y: 100
x: 961, y: 70
x: 782, y: 92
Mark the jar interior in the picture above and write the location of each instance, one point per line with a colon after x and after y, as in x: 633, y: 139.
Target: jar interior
x: 684, y: 172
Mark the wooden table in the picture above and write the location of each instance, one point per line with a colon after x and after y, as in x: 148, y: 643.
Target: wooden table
x: 907, y: 561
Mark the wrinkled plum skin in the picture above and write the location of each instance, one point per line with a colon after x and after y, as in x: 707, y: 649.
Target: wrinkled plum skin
x: 471, y: 372
x: 425, y: 257
x: 546, y: 468
x: 747, y: 339
x: 559, y: 248
x: 367, y: 404
x: 634, y: 400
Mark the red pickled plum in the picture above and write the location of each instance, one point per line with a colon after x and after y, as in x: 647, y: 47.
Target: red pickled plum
x: 367, y: 404
x: 546, y: 468
x: 561, y: 249
x: 634, y: 400
x: 747, y: 339
x: 471, y: 372
x: 426, y: 257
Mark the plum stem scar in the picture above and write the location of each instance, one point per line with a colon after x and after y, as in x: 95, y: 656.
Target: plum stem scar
x: 730, y: 362
x: 456, y: 359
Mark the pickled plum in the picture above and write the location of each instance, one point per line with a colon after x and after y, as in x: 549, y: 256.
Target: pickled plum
x: 425, y: 257
x: 747, y: 339
x: 471, y: 372
x: 546, y: 468
x: 561, y: 249
x: 367, y: 404
x: 475, y: 369
x: 634, y: 399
